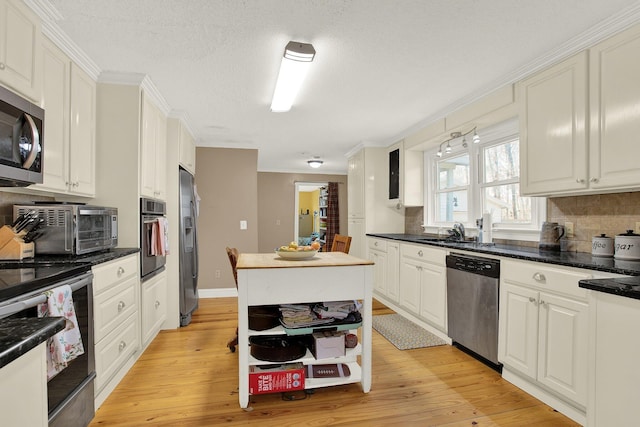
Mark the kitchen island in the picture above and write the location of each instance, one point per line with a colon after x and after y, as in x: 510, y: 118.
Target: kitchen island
x: 267, y: 279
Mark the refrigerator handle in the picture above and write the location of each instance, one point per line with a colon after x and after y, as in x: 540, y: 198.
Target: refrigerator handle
x: 195, y: 241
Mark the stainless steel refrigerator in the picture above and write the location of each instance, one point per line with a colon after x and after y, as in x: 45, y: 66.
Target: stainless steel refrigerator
x: 188, y: 248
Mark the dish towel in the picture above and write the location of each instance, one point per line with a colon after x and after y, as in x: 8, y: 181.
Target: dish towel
x: 160, y: 237
x: 66, y: 345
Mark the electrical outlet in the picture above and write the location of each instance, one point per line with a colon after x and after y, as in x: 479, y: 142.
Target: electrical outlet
x: 637, y: 228
x: 568, y: 229
x: 243, y: 225
x: 217, y: 274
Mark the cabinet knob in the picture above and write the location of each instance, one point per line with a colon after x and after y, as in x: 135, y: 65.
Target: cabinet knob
x: 375, y: 243
x: 120, y: 271
x: 157, y: 304
x: 533, y: 300
x: 580, y: 181
x: 594, y: 180
x: 544, y: 304
x: 122, y: 346
x: 420, y: 253
x: 121, y: 306
x: 539, y: 277
x: 1, y: 65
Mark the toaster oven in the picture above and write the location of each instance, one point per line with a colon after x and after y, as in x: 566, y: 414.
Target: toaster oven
x: 73, y: 229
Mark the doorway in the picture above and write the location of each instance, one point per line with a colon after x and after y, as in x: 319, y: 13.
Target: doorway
x: 310, y: 212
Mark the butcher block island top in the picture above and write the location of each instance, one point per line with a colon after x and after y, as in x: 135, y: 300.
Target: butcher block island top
x: 268, y: 279
x: 321, y: 259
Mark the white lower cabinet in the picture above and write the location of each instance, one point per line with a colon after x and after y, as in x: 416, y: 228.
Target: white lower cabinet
x: 614, y: 399
x: 23, y: 390
x: 423, y: 283
x: 116, y: 295
x: 543, y: 327
x: 386, y: 269
x: 154, y: 306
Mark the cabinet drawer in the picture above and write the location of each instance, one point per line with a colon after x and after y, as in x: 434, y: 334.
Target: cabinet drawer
x: 423, y: 253
x: 545, y: 278
x: 105, y: 275
x: 115, y: 349
x: 377, y: 244
x: 113, y: 306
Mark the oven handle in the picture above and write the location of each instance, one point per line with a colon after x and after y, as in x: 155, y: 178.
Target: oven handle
x: 18, y: 306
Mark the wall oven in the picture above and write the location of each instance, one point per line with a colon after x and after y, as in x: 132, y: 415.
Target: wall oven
x: 151, y: 262
x: 21, y: 141
x: 70, y: 393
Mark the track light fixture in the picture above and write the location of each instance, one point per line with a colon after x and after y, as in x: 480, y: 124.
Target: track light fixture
x: 455, y: 135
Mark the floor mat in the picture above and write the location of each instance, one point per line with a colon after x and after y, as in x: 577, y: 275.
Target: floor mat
x: 403, y: 333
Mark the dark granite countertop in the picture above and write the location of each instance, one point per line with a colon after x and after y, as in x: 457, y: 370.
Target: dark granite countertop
x: 622, y: 286
x: 569, y: 259
x: 18, y: 336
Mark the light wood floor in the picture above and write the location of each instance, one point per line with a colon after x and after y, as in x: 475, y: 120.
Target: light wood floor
x: 187, y: 377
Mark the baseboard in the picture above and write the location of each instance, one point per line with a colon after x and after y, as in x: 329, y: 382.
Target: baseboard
x: 556, y: 403
x: 217, y: 293
x: 401, y: 311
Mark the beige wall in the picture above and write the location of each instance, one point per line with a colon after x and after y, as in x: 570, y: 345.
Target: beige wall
x: 227, y: 184
x: 276, y: 205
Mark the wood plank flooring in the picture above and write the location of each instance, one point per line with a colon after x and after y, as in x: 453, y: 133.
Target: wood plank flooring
x: 187, y: 377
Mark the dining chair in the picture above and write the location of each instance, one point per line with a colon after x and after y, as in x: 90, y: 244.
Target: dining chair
x: 341, y: 243
x: 233, y: 253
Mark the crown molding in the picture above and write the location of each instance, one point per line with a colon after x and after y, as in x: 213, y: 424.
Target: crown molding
x: 597, y: 33
x: 49, y: 15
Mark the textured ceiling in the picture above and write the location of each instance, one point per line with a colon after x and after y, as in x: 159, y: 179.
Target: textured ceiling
x: 382, y: 67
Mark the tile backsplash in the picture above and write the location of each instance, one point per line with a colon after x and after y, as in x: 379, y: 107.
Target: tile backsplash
x: 7, y: 200
x: 610, y: 214
x: 591, y: 215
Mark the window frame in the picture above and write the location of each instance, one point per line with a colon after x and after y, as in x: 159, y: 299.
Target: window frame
x: 491, y: 136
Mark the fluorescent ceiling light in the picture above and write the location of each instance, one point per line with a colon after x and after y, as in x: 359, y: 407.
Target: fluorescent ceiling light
x: 293, y: 70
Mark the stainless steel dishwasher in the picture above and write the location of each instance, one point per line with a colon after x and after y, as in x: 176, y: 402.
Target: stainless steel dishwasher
x: 472, y: 304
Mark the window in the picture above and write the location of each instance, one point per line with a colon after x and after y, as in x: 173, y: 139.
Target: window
x: 478, y: 178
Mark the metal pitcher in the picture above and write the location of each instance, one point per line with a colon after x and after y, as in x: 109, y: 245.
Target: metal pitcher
x: 550, y: 236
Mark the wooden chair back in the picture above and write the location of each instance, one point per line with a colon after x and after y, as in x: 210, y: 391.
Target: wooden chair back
x: 341, y: 243
x: 233, y: 254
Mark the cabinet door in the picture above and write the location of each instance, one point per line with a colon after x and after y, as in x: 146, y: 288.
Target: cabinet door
x: 82, y: 140
x: 379, y: 271
x: 615, y: 124
x: 553, y: 140
x: 355, y: 185
x: 393, y: 272
x: 433, y: 285
x: 160, y: 178
x: 148, y: 149
x: 410, y: 277
x: 154, y: 306
x: 358, y: 238
x: 20, y: 49
x: 518, y: 341
x: 187, y: 150
x: 562, y: 346
x: 55, y: 101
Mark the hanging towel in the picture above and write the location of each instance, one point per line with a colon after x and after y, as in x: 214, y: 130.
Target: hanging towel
x: 163, y: 236
x: 66, y: 345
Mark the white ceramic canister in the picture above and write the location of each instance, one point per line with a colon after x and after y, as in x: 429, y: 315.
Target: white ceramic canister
x: 602, y: 245
x: 627, y: 246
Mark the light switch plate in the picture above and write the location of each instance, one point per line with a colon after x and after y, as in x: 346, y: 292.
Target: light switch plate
x: 568, y: 228
x: 243, y: 225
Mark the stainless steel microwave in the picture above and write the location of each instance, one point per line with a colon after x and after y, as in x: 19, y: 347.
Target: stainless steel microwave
x: 72, y: 229
x: 21, y: 141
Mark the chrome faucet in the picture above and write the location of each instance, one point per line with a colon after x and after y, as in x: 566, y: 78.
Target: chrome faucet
x: 457, y: 233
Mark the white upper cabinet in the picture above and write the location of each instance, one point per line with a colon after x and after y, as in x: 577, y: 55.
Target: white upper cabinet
x: 553, y: 140
x: 187, y: 150
x: 405, y: 170
x: 20, y: 49
x: 69, y: 99
x: 153, y: 175
x: 356, y: 185
x: 580, y: 121
x: 615, y: 111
